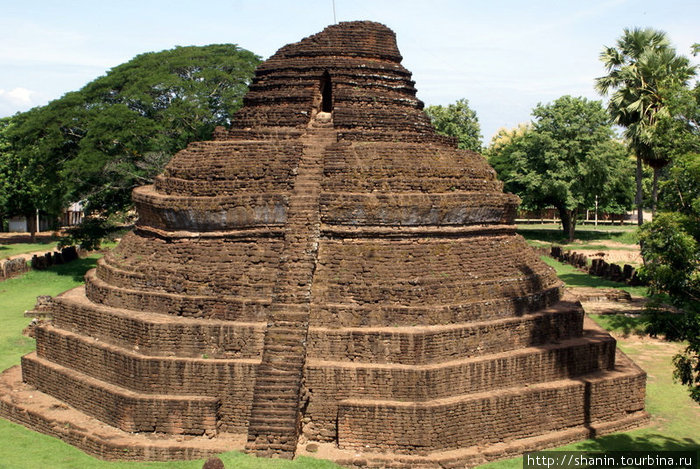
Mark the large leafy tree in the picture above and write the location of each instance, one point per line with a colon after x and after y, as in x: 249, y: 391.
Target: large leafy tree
x: 640, y: 68
x: 457, y: 120
x: 28, y: 179
x: 118, y: 131
x: 566, y: 159
x: 671, y: 251
x: 671, y: 242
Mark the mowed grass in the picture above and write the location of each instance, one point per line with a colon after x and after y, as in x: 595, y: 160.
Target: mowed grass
x: 24, y: 449
x: 573, y: 277
x: 19, y: 294
x: 9, y: 250
x: 585, y: 237
x: 21, y: 448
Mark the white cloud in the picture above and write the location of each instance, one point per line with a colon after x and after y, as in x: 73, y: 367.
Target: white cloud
x: 17, y: 99
x: 18, y: 96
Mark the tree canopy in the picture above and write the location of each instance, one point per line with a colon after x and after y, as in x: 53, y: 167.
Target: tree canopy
x: 119, y: 130
x: 670, y: 244
x: 566, y: 159
x: 457, y: 120
x: 641, y: 68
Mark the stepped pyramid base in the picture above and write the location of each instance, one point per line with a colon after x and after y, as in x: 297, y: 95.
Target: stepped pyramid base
x: 23, y: 404
x: 475, y: 455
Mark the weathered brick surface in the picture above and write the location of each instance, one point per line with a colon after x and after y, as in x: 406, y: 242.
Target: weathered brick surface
x: 13, y: 267
x: 128, y: 411
x: 332, y: 382
x: 488, y: 418
x: 211, y: 307
x: 180, y: 212
x: 434, y: 344
x: 157, y: 335
x: 428, y: 271
x: 241, y: 267
x: 378, y: 314
x: 228, y: 167
x: 228, y: 379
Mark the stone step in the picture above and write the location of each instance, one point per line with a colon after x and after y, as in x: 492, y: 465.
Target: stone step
x: 279, y: 403
x: 272, y: 430
x: 282, y: 363
x: 287, y: 380
x: 272, y: 421
x: 285, y: 336
x: 273, y: 348
x: 284, y: 390
x: 276, y: 412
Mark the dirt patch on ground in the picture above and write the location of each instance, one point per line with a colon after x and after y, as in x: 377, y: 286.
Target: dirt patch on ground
x: 618, y: 256
x: 616, y: 252
x: 13, y: 238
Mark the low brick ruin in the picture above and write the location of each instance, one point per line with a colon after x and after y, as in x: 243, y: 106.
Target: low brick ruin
x: 327, y: 270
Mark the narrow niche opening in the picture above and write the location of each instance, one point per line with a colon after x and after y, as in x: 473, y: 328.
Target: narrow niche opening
x: 326, y: 93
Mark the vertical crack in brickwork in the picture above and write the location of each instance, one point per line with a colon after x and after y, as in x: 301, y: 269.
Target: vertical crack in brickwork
x: 274, y: 425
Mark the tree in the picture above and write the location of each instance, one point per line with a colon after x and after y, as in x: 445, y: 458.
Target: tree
x: 565, y: 160
x: 118, y: 131
x: 639, y: 69
x: 671, y: 252
x: 28, y: 179
x: 459, y: 121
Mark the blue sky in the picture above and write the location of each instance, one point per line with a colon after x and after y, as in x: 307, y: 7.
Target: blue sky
x: 503, y: 56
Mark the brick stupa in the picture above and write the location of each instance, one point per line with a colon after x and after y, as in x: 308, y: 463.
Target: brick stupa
x: 328, y: 270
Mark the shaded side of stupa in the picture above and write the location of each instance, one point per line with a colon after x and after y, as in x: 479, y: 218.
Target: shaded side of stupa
x: 331, y: 270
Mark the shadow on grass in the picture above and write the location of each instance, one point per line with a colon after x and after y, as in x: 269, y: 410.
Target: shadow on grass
x: 623, y: 324
x: 643, y: 442
x: 557, y: 236
x: 75, y: 269
x: 581, y: 279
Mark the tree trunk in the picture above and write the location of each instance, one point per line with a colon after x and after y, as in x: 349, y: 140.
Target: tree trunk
x: 31, y: 226
x: 638, y: 197
x: 568, y: 222
x: 654, y: 192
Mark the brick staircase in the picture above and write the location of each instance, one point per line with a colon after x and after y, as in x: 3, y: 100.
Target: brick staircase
x: 274, y: 424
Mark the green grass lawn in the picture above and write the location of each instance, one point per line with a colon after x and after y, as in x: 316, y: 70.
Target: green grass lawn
x: 573, y: 277
x: 19, y: 294
x: 586, y: 235
x: 9, y: 250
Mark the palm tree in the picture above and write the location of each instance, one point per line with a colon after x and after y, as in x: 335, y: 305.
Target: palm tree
x: 640, y: 69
